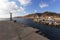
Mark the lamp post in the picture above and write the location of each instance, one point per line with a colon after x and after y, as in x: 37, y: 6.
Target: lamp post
x: 10, y: 16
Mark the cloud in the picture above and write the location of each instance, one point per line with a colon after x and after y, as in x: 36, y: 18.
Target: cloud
x: 3, y: 8
x: 16, y: 10
x: 24, y: 2
x: 35, y: 11
x: 7, y: 6
x: 43, y: 5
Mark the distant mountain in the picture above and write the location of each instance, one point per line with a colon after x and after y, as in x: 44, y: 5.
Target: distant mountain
x: 41, y: 14
x: 33, y: 15
x: 50, y: 14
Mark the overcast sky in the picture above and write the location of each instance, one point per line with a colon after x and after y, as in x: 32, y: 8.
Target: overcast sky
x: 24, y: 7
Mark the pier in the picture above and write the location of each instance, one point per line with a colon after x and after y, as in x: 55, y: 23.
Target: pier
x: 10, y: 30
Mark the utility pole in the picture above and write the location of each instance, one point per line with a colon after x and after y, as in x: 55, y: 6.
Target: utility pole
x: 10, y: 16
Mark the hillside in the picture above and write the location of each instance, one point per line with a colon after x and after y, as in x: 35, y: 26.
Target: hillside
x: 51, y: 14
x: 32, y: 15
x: 41, y: 14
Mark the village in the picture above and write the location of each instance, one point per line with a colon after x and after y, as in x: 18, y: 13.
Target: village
x: 49, y: 20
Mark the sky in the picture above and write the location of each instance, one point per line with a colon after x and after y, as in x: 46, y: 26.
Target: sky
x: 25, y: 7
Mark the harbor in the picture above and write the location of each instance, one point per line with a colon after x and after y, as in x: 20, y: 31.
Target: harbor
x: 50, y: 32
x: 27, y: 29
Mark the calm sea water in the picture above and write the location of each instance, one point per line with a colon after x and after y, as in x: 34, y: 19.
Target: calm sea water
x: 4, y: 19
x: 51, y: 32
